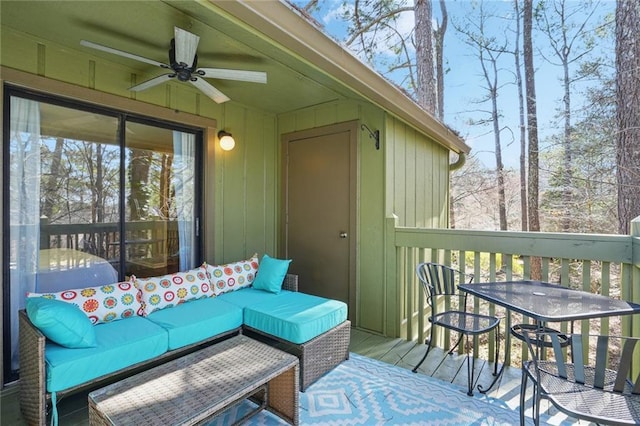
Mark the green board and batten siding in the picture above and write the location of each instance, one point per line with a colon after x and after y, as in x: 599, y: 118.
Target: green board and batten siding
x: 247, y: 208
x: 417, y: 187
x: 406, y: 177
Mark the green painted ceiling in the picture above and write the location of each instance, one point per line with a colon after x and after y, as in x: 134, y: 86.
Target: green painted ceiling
x: 145, y: 28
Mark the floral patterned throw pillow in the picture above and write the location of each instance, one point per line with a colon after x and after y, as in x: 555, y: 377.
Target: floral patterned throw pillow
x: 172, y: 289
x: 101, y: 304
x: 232, y: 276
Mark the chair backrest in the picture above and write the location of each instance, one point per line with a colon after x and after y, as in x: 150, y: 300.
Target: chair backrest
x: 440, y: 280
x: 598, y: 361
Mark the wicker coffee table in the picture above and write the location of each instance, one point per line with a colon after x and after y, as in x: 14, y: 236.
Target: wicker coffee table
x: 197, y: 387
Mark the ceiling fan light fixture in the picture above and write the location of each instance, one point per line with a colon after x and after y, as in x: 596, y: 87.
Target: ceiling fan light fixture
x: 227, y: 143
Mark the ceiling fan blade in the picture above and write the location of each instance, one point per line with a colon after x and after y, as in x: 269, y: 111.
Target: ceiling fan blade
x: 185, y: 45
x: 121, y: 53
x: 239, y: 75
x: 153, y: 82
x: 209, y: 90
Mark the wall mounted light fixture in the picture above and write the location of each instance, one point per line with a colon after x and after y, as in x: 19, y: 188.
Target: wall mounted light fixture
x: 373, y: 135
x: 226, y: 140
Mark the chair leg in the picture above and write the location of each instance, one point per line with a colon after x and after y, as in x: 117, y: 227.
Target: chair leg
x: 523, y: 391
x: 495, y: 364
x: 535, y: 408
x: 471, y: 367
x: 415, y: 369
x: 453, y: 348
x: 536, y: 404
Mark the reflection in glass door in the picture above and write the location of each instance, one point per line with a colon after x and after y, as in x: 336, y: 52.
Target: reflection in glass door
x: 160, y: 200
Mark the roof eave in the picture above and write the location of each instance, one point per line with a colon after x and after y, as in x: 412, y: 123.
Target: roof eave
x: 284, y: 26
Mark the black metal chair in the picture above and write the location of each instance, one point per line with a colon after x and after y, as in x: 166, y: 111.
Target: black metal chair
x: 440, y: 283
x: 591, y: 381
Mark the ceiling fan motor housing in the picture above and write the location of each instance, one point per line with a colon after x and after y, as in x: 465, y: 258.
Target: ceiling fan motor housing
x: 183, y: 71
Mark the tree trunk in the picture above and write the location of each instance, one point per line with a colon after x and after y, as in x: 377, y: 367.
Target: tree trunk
x: 439, y: 39
x: 50, y: 192
x: 452, y: 211
x: 532, y: 124
x: 628, y: 112
x: 99, y: 185
x: 567, y: 177
x: 165, y: 186
x: 523, y: 133
x: 502, y: 207
x: 138, y: 179
x: 424, y: 56
x: 96, y: 241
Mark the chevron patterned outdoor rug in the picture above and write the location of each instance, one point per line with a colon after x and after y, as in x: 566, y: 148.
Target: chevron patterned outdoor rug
x: 363, y: 391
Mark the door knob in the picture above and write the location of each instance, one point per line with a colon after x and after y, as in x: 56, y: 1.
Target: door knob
x: 343, y: 235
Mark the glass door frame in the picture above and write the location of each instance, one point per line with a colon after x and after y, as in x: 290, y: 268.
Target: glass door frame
x: 122, y: 117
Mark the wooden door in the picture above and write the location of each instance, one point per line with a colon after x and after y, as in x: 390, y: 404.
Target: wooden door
x: 320, y: 211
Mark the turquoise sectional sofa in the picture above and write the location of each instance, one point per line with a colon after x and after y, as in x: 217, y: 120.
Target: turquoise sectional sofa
x: 157, y: 327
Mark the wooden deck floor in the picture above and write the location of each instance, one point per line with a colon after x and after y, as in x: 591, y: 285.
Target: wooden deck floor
x: 451, y: 368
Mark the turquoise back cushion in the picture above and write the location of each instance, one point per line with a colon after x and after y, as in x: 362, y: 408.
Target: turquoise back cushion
x: 270, y: 274
x: 61, y: 322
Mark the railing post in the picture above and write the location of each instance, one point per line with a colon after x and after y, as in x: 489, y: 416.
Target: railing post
x: 45, y: 239
x: 392, y: 305
x: 634, y: 284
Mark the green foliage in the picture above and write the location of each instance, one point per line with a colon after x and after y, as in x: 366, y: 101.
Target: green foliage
x: 485, y: 262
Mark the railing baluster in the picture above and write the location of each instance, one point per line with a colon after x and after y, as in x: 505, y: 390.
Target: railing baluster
x: 413, y: 324
x: 565, y: 266
x: 604, y: 289
x: 423, y: 307
x: 545, y: 269
x: 586, y: 286
x: 526, y: 267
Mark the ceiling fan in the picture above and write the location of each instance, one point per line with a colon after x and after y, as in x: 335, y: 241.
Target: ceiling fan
x: 183, y: 62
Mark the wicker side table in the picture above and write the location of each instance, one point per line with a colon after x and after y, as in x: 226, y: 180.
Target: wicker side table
x: 198, y: 386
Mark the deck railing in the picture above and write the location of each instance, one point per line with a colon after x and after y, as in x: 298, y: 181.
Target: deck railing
x: 103, y: 239
x: 605, y: 264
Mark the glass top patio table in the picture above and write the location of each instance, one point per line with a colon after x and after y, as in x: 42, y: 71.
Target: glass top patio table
x: 547, y: 302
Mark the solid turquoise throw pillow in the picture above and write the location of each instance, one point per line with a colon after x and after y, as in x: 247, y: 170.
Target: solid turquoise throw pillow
x: 270, y: 274
x: 61, y: 322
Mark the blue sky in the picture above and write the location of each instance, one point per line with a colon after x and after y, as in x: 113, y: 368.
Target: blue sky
x: 464, y: 82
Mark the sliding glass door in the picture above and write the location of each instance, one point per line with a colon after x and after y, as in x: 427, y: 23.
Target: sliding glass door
x: 91, y: 197
x: 160, y: 228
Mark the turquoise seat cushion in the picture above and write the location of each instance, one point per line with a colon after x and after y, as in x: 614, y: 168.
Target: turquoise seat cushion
x: 296, y: 317
x: 119, y: 345
x: 197, y: 320
x: 249, y: 297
